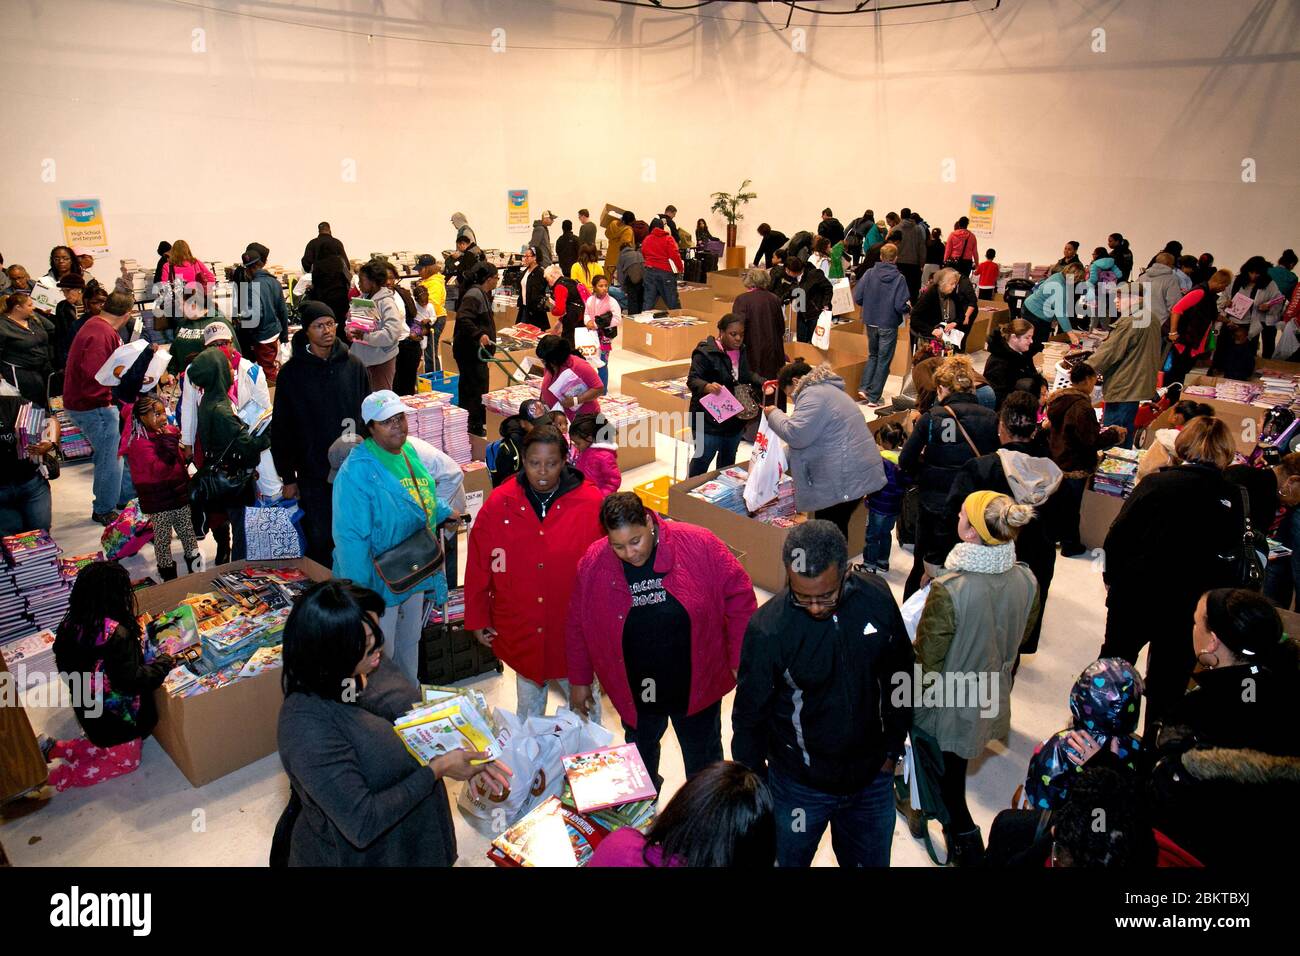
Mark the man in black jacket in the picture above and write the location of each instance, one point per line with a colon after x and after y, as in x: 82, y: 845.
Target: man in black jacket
x: 532, y: 292
x: 566, y: 247
x: 317, y: 399
x: 823, y: 702
x: 830, y: 228
x: 811, y: 293
x: 771, y: 241
x: 323, y: 245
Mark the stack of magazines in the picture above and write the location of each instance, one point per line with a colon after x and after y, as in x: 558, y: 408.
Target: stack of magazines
x: 1117, y: 472
x: 33, y: 591
x: 449, y: 718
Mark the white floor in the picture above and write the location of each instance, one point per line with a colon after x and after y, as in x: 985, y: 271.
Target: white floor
x: 152, y: 817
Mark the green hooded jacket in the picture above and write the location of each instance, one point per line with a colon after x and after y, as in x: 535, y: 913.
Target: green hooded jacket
x: 218, y: 425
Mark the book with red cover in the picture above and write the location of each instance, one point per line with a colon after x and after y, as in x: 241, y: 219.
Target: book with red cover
x: 551, y: 834
x: 608, y: 777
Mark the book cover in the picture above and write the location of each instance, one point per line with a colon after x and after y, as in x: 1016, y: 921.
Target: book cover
x: 550, y: 835
x: 608, y: 777
x: 723, y: 405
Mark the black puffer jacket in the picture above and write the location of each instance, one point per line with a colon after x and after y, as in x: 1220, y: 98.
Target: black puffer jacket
x: 1006, y: 366
x: 709, y: 365
x: 936, y: 450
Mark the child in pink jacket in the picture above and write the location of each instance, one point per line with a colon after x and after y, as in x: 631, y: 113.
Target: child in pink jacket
x: 597, y: 457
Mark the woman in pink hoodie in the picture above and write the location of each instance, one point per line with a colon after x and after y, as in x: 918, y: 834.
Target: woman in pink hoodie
x: 658, y: 612
x: 182, y: 265
x: 597, y: 452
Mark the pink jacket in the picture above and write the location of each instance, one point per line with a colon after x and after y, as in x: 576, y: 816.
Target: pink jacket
x: 599, y: 465
x: 961, y: 245
x: 192, y: 272
x: 701, y: 573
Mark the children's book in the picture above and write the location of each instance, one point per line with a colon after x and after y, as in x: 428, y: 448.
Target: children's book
x: 550, y: 835
x: 448, y: 723
x: 608, y: 777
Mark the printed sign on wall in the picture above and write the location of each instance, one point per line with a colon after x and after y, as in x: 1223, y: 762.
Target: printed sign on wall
x: 517, y: 209
x: 981, y: 214
x: 83, y: 225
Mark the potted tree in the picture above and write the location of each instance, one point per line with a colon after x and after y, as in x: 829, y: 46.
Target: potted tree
x: 728, y: 206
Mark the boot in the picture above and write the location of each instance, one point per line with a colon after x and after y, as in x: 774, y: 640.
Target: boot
x: 222, y: 537
x: 965, y: 849
x: 167, y: 572
x: 903, y: 802
x: 193, y: 562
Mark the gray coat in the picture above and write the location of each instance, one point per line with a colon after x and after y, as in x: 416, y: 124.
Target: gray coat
x: 541, y: 241
x: 911, y: 242
x: 833, y: 456
x: 377, y: 347
x: 1163, y: 294
x: 365, y: 800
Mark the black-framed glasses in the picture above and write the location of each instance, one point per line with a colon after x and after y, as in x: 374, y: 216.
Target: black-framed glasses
x: 828, y: 601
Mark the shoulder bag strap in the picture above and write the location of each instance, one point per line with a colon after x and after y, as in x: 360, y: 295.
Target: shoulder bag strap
x: 416, y: 485
x: 964, y: 434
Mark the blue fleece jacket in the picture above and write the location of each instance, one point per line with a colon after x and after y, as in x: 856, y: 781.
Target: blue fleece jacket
x: 882, y: 293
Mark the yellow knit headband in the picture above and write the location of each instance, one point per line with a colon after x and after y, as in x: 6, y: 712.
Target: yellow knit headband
x: 975, y: 506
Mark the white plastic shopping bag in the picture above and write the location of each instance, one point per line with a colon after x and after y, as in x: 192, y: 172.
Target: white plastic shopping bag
x: 822, y: 334
x: 766, y: 465
x: 533, y: 750
x: 912, y: 609
x: 587, y: 343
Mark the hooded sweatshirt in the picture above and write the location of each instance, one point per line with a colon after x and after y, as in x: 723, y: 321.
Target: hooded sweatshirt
x: 316, y: 401
x: 660, y: 249
x: 541, y: 241
x: 219, y: 427
x: 599, y: 465
x: 462, y: 227
x: 883, y: 295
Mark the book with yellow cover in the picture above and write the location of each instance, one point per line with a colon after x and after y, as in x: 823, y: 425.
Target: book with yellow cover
x: 456, y: 724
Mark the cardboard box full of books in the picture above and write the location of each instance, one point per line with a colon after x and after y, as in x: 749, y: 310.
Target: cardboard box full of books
x: 757, y: 544
x: 669, y: 344
x: 212, y: 734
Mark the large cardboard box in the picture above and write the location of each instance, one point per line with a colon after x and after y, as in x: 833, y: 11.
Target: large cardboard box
x: 846, y: 365
x: 671, y: 413
x: 666, y: 345
x: 705, y: 301
x: 636, y: 445
x: 726, y: 283
x: 1096, y: 515
x: 1244, y: 421
x: 850, y: 338
x: 756, y: 545
x: 210, y: 735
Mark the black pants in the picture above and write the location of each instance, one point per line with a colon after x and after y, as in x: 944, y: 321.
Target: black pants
x: 1064, y: 507
x: 699, y: 735
x: 1269, y: 337
x: 952, y: 789
x: 634, y: 297
x: 840, y: 515
x: 805, y: 325
x: 316, y: 499
x: 911, y: 275
x: 473, y: 383
x: 1042, y: 327
x: 964, y: 266
x: 1182, y: 363
x: 986, y: 294
x: 1132, y: 621
x: 408, y: 366
x: 933, y: 543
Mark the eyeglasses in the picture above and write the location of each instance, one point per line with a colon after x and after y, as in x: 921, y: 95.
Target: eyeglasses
x: 829, y: 601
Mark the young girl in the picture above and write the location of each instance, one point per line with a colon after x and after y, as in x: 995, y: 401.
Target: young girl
x: 604, y: 315
x: 99, y: 644
x: 161, y: 478
x: 597, y: 456
x: 885, y: 505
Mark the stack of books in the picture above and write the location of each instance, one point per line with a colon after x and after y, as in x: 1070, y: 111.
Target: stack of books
x: 425, y: 421
x: 1117, y: 472
x: 33, y: 591
x: 623, y: 412
x: 71, y: 566
x: 33, y: 653
x: 363, y: 316
x: 455, y: 609
x: 675, y: 387
x: 506, y: 401
x: 516, y: 337
x: 726, y: 490
x: 447, y: 719
x: 666, y: 321
x: 74, y: 445
x: 455, y: 433
x: 780, y: 511
x: 30, y: 426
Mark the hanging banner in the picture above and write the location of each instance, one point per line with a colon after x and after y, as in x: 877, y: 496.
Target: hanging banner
x: 83, y: 225
x: 981, y: 214
x: 517, y: 216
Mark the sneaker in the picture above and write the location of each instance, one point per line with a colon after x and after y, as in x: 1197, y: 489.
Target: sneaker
x: 882, y: 568
x: 875, y: 404
x: 46, y: 743
x: 863, y: 396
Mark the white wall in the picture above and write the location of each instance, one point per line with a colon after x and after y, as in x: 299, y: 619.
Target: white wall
x: 246, y: 140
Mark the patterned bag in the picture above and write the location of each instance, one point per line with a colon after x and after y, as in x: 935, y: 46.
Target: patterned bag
x: 130, y: 532
x: 273, y: 531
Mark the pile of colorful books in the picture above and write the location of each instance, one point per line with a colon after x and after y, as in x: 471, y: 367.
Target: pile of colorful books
x: 665, y: 321
x: 675, y: 387
x: 1117, y: 472
x: 621, y: 411
x: 605, y: 790
x: 229, y: 633
x: 363, y: 316
x: 506, y: 401
x: 726, y: 490
x: 447, y: 719
x: 33, y: 590
x: 780, y: 511
x: 74, y: 445
x: 455, y: 611
x: 516, y: 337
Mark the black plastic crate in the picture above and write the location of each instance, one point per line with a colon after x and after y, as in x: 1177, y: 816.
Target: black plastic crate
x: 450, y: 654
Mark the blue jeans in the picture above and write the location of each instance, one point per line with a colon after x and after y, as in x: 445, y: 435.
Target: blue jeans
x: 724, y: 446
x: 25, y: 506
x: 881, y: 343
x: 985, y: 395
x: 659, y: 282
x: 862, y: 824
x: 879, y: 529
x: 530, y: 698
x: 1121, y: 413
x: 113, y: 488
x: 619, y: 296
x: 603, y: 371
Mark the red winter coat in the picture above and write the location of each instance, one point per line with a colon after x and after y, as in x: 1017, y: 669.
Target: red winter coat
x: 599, y: 465
x: 702, y: 574
x: 161, y: 479
x: 659, y: 249
x: 521, y: 570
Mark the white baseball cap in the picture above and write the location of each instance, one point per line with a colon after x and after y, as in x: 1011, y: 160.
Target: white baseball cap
x: 381, y: 406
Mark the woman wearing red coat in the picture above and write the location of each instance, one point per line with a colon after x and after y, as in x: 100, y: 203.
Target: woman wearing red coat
x: 523, y: 554
x: 659, y: 613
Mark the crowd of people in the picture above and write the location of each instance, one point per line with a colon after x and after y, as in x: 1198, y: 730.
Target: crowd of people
x: 577, y: 586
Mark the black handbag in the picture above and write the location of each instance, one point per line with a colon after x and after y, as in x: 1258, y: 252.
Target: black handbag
x: 745, y: 395
x: 1247, y: 565
x: 219, y: 486
x: 409, y: 562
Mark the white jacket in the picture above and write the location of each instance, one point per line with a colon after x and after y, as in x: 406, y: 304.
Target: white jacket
x: 252, y: 398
